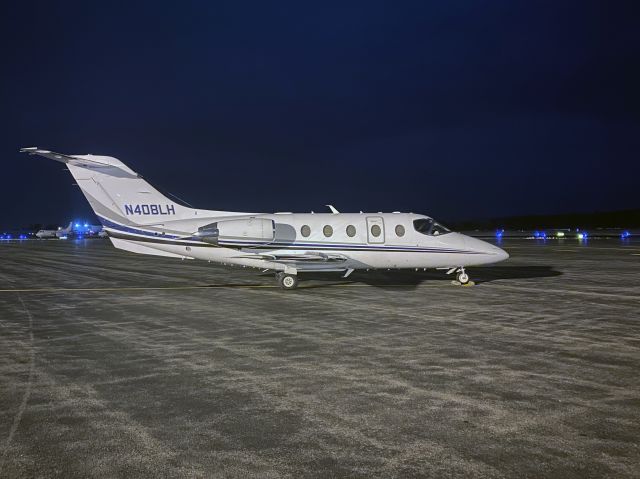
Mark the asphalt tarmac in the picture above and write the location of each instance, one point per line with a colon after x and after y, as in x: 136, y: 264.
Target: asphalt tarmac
x: 119, y: 365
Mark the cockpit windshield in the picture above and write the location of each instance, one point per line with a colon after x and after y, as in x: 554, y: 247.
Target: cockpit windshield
x: 428, y: 226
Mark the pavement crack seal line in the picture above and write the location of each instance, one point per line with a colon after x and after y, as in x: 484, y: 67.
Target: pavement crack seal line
x: 27, y: 392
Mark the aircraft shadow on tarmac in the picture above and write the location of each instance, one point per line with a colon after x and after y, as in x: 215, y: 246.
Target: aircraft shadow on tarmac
x: 414, y: 278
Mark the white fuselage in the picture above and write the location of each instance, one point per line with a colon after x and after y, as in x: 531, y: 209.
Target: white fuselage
x: 46, y: 234
x: 397, y: 245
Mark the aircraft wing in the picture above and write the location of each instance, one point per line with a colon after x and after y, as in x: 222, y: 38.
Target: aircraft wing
x: 305, y: 257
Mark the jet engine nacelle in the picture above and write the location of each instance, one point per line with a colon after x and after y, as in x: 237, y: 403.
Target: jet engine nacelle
x: 260, y: 230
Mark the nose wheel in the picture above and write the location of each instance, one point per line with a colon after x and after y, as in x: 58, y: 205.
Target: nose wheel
x: 462, y: 276
x: 287, y: 281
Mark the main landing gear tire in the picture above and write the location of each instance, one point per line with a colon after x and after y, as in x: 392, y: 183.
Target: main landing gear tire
x: 462, y: 277
x: 287, y: 281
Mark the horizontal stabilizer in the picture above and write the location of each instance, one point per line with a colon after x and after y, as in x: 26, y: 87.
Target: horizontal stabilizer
x: 104, y: 164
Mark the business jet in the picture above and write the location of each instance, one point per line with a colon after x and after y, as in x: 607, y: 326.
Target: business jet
x: 46, y: 234
x: 140, y: 219
x: 50, y: 234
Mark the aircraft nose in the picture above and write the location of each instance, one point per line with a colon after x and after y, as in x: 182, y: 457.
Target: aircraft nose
x: 483, y: 247
x: 501, y: 254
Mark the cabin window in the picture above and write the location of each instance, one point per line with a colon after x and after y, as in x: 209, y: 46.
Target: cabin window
x: 427, y: 226
x: 399, y: 230
x: 327, y: 230
x: 305, y: 231
x: 351, y: 231
x: 375, y: 230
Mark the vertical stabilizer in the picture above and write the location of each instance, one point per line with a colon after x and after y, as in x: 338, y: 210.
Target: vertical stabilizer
x: 117, y: 193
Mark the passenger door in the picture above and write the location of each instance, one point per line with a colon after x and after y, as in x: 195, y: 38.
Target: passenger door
x: 375, y: 229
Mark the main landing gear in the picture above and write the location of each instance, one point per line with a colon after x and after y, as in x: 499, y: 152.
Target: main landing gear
x: 286, y: 280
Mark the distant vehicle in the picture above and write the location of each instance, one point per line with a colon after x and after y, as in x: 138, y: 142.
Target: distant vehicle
x: 83, y: 230
x: 140, y: 219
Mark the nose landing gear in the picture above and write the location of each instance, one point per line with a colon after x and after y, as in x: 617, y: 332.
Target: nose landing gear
x: 462, y: 276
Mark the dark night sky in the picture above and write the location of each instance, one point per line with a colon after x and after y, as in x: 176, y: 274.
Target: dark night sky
x: 453, y: 109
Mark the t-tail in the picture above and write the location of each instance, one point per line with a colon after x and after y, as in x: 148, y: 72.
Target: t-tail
x: 63, y: 232
x: 116, y: 193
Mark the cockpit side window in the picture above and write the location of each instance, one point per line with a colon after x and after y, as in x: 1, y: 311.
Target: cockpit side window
x: 439, y: 229
x: 423, y: 225
x: 428, y: 227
